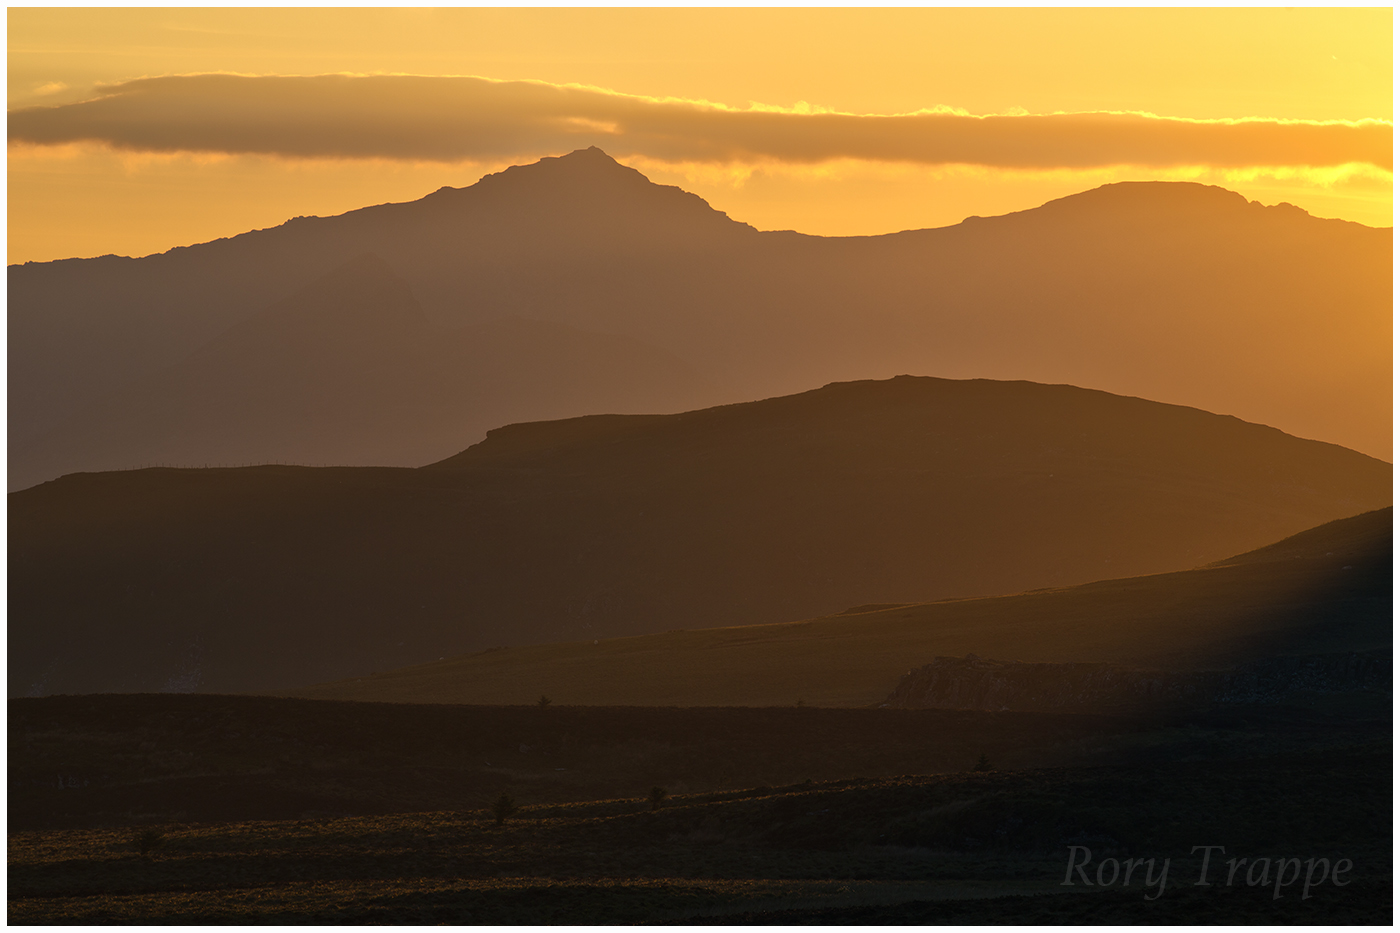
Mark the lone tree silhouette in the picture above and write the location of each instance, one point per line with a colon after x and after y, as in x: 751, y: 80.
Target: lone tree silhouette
x: 983, y: 763
x: 504, y: 807
x: 658, y: 794
x: 543, y: 701
x: 148, y: 840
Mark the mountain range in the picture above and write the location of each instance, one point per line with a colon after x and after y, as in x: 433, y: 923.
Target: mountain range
x: 575, y: 285
x: 905, y: 490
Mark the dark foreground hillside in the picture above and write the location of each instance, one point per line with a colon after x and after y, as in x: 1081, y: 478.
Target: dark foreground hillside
x: 77, y: 762
x: 961, y: 846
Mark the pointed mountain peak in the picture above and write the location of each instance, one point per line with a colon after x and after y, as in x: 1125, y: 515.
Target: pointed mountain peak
x: 582, y: 167
x: 590, y: 186
x: 592, y: 154
x: 591, y: 159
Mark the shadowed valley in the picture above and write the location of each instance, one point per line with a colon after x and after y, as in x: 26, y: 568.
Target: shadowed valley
x: 1324, y: 592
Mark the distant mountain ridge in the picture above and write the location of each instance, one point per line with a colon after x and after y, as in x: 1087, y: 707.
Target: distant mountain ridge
x: 904, y: 490
x: 349, y: 371
x: 1173, y: 291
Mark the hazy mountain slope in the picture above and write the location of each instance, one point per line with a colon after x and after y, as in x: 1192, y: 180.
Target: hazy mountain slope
x: 79, y: 327
x: 1332, y: 595
x: 911, y: 489
x: 348, y: 371
x: 1179, y: 292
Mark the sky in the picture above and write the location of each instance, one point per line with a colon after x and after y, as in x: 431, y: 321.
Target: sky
x: 132, y: 131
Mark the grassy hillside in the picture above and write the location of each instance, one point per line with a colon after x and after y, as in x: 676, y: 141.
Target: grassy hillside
x: 1326, y: 590
x: 201, y: 809
x: 967, y: 847
x: 130, y: 759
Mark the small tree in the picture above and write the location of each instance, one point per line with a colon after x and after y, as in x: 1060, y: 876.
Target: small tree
x: 504, y: 807
x: 983, y: 763
x: 148, y: 840
x: 658, y: 794
x: 543, y: 701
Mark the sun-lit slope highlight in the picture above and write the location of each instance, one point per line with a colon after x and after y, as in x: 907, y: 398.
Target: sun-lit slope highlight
x: 1327, y: 589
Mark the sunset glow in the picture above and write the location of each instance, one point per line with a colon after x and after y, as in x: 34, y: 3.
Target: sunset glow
x: 132, y: 131
x: 789, y: 467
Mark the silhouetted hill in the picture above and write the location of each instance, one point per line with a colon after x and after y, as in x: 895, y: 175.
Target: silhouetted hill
x: 349, y: 371
x: 1330, y: 597
x: 1355, y: 539
x: 983, y: 683
x: 912, y: 489
x: 1172, y: 291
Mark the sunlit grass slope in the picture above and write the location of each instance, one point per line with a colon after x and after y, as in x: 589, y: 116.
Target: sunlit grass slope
x: 1326, y: 589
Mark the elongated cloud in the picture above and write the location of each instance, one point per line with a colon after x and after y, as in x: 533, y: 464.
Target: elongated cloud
x: 461, y: 118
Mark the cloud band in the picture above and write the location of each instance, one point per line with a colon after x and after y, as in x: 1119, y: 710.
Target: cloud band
x: 463, y: 118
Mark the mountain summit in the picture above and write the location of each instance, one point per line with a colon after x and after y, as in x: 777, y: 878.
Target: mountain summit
x: 587, y: 183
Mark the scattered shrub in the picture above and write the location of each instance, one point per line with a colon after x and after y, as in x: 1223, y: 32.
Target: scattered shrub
x: 503, y: 808
x: 148, y: 840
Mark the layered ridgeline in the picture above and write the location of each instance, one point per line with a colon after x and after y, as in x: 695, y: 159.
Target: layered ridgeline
x: 908, y: 490
x: 1180, y: 292
x: 349, y: 371
x: 1309, y: 614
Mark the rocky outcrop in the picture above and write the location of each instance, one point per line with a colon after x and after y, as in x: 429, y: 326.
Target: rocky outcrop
x: 980, y: 683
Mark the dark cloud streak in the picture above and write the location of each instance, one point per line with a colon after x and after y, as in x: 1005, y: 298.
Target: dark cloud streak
x: 458, y: 118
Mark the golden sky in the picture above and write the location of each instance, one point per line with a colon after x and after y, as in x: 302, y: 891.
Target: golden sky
x: 135, y: 130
